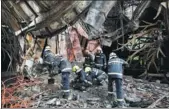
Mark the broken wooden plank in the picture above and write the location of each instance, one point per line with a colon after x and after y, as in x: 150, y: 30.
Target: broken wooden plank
x: 157, y: 101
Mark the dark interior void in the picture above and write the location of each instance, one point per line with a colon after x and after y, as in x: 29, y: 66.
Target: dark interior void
x: 135, y: 68
x: 4, y: 61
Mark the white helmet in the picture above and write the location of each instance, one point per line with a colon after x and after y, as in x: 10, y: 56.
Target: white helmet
x: 99, y: 49
x: 112, y: 55
x: 47, y: 48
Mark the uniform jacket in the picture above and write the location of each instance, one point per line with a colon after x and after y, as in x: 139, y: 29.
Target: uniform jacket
x: 89, y: 59
x: 65, y: 66
x: 115, y: 67
x: 81, y: 76
x: 100, y: 59
x: 48, y: 57
x: 96, y: 72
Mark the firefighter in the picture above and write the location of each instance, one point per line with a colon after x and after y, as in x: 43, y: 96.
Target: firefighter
x: 97, y: 76
x: 50, y: 59
x: 89, y: 59
x: 80, y: 82
x: 115, y: 73
x: 100, y: 59
x: 65, y: 68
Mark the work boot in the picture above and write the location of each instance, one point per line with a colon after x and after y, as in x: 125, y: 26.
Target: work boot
x: 121, y: 104
x: 65, y: 96
x: 107, y: 104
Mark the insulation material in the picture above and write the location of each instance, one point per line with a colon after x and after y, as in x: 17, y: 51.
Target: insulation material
x: 62, y: 49
x: 73, y: 34
x: 93, y: 45
x: 41, y: 42
x: 22, y: 41
x: 70, y: 51
x: 29, y: 38
x: 38, y: 48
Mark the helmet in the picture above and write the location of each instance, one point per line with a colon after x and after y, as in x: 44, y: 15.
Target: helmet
x: 86, y: 51
x: 112, y: 55
x: 87, y: 69
x: 99, y: 49
x: 75, y: 68
x: 47, y: 48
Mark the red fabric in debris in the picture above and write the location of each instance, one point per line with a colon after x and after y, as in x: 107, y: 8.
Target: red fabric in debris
x: 73, y: 34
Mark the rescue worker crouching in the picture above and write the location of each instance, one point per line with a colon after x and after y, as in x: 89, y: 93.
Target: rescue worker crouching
x: 115, y: 73
x: 100, y: 59
x: 80, y: 82
x: 65, y: 68
x: 97, y: 76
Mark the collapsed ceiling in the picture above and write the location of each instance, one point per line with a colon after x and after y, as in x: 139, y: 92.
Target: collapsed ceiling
x: 108, y: 21
x: 52, y: 17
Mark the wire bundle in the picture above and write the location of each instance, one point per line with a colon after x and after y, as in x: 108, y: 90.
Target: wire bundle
x: 11, y: 92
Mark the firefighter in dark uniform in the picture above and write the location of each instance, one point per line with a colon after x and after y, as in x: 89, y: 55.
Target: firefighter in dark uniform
x: 97, y: 76
x: 50, y: 59
x: 65, y: 68
x: 100, y: 60
x: 115, y: 73
x: 89, y: 59
x: 80, y: 82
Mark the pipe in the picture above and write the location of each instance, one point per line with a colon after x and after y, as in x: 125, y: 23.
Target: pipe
x: 98, y: 12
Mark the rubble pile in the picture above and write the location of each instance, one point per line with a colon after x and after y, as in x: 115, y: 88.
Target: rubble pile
x: 137, y: 92
x: 142, y: 93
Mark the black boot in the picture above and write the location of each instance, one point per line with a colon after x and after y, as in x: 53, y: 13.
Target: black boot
x: 121, y: 104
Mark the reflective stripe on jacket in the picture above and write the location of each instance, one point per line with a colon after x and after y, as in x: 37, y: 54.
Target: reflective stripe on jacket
x: 100, y: 59
x: 115, y: 67
x: 65, y: 66
x: 48, y: 57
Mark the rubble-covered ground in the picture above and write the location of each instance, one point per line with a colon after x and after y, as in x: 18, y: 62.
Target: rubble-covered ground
x: 137, y: 92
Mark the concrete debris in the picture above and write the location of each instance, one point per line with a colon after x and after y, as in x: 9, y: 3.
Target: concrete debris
x: 51, y: 102
x: 58, y: 103
x: 138, y: 93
